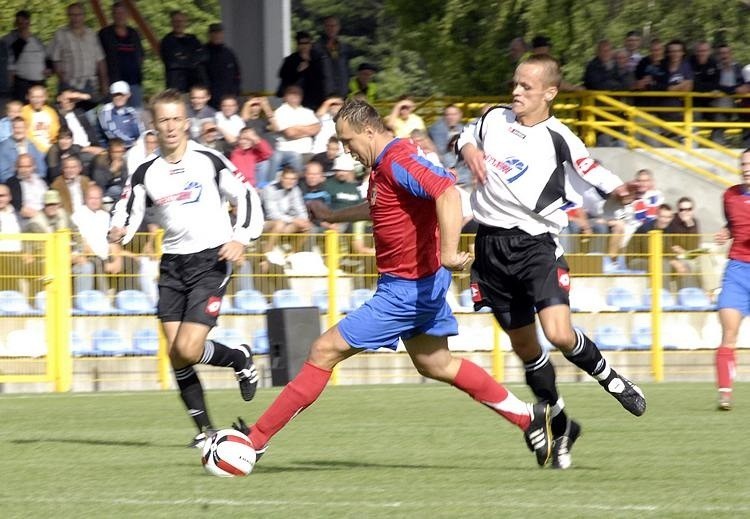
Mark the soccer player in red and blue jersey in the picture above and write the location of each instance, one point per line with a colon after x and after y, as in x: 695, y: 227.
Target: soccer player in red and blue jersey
x: 416, y: 214
x: 734, y: 300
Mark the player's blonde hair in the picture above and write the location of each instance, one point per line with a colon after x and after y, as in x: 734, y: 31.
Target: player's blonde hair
x: 170, y: 95
x: 552, y: 72
x: 359, y: 114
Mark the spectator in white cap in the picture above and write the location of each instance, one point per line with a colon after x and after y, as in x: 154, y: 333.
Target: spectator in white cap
x: 343, y: 185
x: 117, y: 119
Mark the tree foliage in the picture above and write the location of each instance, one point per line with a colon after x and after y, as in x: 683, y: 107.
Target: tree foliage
x: 450, y: 47
x: 460, y: 46
x: 47, y: 17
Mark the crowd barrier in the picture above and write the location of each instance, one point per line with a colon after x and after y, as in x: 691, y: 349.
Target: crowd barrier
x: 64, y: 327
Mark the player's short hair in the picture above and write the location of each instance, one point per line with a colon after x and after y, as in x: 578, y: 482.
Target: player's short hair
x: 359, y: 114
x: 170, y: 95
x: 552, y: 73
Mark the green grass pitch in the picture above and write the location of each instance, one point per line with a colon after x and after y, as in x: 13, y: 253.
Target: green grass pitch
x: 376, y: 451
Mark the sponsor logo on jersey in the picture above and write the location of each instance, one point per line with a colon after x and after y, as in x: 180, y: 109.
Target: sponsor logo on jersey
x: 213, y: 305
x: 563, y: 279
x: 176, y: 171
x: 476, y: 294
x: 189, y: 194
x: 511, y: 167
x: 586, y: 164
x: 516, y: 132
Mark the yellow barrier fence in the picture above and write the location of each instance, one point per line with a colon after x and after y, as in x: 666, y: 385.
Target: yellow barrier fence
x: 62, y: 334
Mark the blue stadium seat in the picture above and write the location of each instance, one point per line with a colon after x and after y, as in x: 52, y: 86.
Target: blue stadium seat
x: 668, y: 301
x: 286, y: 298
x: 642, y: 338
x: 465, y: 300
x: 250, y: 301
x: 623, y: 299
x: 91, y: 302
x: 13, y: 302
x: 134, y: 302
x: 146, y: 341
x: 612, y: 338
x: 109, y: 342
x: 229, y: 336
x: 79, y: 347
x: 260, y: 342
x: 227, y: 308
x: 694, y: 298
x: 359, y: 297
x: 320, y: 299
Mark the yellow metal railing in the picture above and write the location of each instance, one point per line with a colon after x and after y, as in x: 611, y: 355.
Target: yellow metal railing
x: 337, y: 254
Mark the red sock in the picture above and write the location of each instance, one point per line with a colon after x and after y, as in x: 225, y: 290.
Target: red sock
x: 725, y: 367
x: 293, y: 399
x: 480, y: 386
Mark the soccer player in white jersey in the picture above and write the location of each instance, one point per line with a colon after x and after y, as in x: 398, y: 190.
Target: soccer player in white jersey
x: 187, y: 185
x: 529, y: 169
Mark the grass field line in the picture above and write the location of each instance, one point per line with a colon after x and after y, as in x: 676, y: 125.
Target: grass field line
x: 511, y: 504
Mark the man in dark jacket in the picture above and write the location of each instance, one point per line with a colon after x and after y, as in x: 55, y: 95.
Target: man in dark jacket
x: 183, y: 55
x: 222, y: 67
x: 123, y: 53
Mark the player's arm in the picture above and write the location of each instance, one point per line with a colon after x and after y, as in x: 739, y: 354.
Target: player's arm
x: 320, y: 211
x: 724, y: 234
x: 469, y: 147
x: 128, y: 212
x: 249, y: 214
x: 450, y: 220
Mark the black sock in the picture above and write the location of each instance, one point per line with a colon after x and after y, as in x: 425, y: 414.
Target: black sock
x: 540, y: 377
x: 191, y: 393
x: 587, y: 356
x: 217, y: 354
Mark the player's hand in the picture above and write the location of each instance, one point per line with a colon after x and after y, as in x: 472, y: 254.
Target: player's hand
x: 116, y: 234
x: 456, y: 262
x: 474, y: 158
x: 231, y: 251
x: 241, y: 426
x: 319, y: 211
x: 722, y: 236
x: 625, y: 193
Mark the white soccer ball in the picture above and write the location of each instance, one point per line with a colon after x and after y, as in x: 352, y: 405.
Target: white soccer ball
x: 227, y: 454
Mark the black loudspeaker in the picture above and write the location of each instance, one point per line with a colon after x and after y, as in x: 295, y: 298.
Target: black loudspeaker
x: 291, y: 331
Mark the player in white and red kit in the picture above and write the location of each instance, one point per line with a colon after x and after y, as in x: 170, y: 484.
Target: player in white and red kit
x: 734, y: 300
x: 416, y: 214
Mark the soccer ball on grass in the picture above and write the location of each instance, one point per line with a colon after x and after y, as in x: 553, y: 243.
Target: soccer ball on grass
x: 227, y: 454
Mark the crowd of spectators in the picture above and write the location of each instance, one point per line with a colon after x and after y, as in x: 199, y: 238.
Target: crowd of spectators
x: 65, y: 156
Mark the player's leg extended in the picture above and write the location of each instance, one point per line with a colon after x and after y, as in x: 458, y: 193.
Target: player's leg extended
x: 540, y: 373
x: 540, y: 377
x: 730, y: 319
x: 581, y: 351
x: 328, y: 350
x: 433, y: 359
x: 191, y: 390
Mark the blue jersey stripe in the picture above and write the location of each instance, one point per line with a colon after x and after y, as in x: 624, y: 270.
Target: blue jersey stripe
x: 407, y: 181
x: 437, y: 170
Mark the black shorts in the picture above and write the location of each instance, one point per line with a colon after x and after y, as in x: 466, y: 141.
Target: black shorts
x: 517, y: 274
x: 191, y: 286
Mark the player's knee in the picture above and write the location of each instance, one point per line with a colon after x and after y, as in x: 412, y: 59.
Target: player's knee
x: 183, y: 352
x: 563, y: 339
x: 324, y: 352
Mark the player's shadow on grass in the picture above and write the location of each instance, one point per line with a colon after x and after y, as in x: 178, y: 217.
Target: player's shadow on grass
x: 82, y: 441
x: 316, y: 465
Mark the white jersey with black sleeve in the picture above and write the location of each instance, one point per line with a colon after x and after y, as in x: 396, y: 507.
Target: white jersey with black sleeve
x: 534, y: 173
x: 188, y: 198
